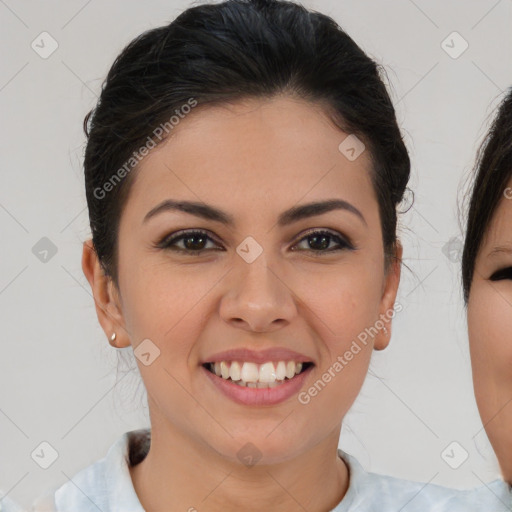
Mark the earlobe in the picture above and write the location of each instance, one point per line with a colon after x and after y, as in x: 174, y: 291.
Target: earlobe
x: 105, y: 298
x: 387, y: 306
x: 383, y: 338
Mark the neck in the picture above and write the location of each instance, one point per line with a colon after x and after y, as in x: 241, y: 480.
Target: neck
x: 180, y: 474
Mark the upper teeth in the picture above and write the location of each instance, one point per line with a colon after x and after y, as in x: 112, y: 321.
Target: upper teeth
x: 252, y: 372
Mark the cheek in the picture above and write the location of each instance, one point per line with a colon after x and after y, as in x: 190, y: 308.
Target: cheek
x: 490, y: 338
x: 168, y: 307
x: 342, y: 318
x: 342, y: 308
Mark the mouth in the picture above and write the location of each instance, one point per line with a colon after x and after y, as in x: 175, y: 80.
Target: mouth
x: 269, y: 374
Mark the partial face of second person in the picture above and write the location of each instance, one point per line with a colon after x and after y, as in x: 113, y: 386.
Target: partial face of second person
x: 490, y: 331
x: 253, y: 160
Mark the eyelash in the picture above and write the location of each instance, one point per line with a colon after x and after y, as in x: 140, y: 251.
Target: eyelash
x: 168, y: 241
x: 504, y: 273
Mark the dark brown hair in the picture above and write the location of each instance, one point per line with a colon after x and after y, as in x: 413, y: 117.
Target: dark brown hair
x: 222, y: 53
x: 493, y: 171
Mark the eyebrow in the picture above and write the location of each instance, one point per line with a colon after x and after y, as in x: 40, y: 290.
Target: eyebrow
x: 501, y: 249
x: 286, y: 218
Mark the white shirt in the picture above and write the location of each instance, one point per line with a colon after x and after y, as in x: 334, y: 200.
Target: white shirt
x: 7, y: 505
x: 106, y: 485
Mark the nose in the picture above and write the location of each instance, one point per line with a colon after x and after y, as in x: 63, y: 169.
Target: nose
x: 257, y: 297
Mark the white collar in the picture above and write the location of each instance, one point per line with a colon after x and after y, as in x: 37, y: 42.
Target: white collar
x: 107, y: 485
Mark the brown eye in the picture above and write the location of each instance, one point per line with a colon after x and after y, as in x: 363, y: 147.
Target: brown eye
x: 319, y: 241
x: 193, y: 242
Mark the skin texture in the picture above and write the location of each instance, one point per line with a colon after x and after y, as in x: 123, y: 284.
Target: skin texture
x: 490, y: 328
x: 252, y: 159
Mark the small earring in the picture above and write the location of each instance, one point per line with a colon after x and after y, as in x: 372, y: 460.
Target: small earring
x: 385, y: 330
x: 113, y: 337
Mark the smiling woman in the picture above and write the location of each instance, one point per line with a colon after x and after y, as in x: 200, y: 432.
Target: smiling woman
x: 241, y: 258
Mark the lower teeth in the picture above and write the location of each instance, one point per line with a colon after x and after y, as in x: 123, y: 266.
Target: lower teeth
x: 259, y: 385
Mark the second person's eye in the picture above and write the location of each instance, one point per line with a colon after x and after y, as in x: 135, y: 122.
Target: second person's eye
x: 504, y: 273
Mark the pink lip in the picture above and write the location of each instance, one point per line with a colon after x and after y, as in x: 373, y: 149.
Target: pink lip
x: 259, y: 357
x: 255, y: 396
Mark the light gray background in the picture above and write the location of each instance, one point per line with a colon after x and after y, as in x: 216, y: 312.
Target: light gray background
x: 57, y: 370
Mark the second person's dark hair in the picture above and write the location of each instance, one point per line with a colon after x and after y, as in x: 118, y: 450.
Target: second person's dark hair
x: 222, y: 53
x: 493, y: 172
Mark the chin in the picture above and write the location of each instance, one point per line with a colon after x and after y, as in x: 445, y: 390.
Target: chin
x: 260, y: 448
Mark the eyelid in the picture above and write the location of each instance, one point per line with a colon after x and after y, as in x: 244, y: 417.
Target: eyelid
x: 501, y: 274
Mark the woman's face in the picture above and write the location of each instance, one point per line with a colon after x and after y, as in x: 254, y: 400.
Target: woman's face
x: 264, y: 281
x: 490, y: 333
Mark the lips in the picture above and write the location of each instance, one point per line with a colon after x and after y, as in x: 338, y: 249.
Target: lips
x: 258, y: 357
x: 258, y: 377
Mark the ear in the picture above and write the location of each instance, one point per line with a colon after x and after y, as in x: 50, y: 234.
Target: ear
x: 106, y: 297
x: 387, y: 303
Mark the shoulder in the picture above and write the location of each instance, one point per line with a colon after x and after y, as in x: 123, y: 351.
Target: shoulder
x: 373, y: 492
x: 8, y: 505
x: 104, y: 484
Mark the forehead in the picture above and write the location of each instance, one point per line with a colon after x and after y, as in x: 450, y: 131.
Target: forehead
x: 253, y: 152
x: 499, y: 232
